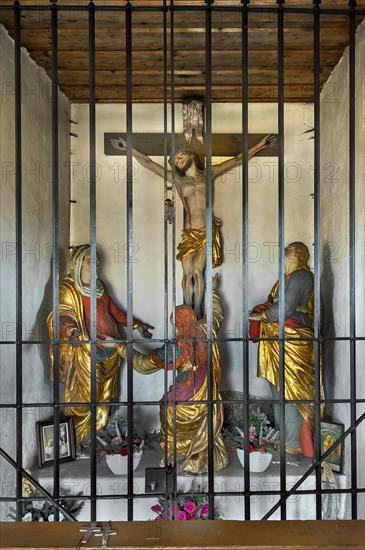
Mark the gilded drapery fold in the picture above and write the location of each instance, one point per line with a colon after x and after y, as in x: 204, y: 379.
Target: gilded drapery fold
x: 75, y: 366
x: 298, y: 360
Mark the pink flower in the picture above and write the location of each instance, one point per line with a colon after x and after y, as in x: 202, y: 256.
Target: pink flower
x: 182, y: 516
x: 204, y: 510
x: 192, y: 516
x: 103, y: 453
x: 158, y: 518
x: 190, y: 507
x: 156, y: 508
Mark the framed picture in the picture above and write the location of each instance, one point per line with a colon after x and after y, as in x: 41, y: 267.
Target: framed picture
x: 330, y: 433
x: 45, y: 441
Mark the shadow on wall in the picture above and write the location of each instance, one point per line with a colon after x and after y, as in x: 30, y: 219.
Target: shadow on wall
x: 328, y: 325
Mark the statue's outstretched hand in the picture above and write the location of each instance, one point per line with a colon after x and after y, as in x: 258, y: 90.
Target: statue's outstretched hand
x: 108, y: 342
x: 254, y: 316
x: 144, y: 330
x: 270, y: 140
x: 119, y: 143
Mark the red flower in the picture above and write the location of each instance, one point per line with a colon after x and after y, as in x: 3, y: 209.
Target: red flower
x: 251, y: 449
x: 261, y: 449
x: 124, y: 451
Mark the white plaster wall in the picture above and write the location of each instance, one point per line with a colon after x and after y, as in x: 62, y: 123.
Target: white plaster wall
x: 148, y: 222
x: 37, y: 239
x: 335, y: 229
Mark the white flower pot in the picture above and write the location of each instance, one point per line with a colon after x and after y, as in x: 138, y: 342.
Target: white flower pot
x: 118, y: 464
x: 258, y: 461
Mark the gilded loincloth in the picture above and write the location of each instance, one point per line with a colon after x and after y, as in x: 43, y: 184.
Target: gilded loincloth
x: 195, y: 239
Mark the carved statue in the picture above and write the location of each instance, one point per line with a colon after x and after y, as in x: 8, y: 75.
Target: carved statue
x: 190, y: 182
x: 191, y: 419
x: 75, y: 360
x: 299, y: 354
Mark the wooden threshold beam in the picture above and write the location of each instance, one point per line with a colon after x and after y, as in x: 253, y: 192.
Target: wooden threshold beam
x: 192, y: 535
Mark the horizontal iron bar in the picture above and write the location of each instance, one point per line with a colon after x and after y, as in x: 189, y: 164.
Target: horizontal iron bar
x: 154, y: 403
x: 256, y: 9
x: 172, y: 341
x: 216, y: 494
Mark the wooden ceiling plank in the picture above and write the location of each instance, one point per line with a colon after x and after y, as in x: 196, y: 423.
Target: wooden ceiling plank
x: 113, y: 41
x: 255, y: 76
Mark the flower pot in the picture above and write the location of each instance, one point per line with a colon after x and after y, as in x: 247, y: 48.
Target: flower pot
x: 258, y: 461
x: 118, y: 464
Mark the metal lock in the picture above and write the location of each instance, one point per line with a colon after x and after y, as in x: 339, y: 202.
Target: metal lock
x: 159, y: 480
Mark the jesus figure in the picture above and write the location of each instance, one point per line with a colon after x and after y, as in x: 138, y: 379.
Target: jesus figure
x: 190, y: 182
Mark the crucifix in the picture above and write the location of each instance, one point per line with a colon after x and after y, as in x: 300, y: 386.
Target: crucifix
x: 105, y: 534
x: 190, y: 182
x: 88, y: 531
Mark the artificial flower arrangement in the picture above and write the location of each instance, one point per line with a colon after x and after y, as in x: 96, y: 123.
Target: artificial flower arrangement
x: 262, y: 437
x: 42, y: 510
x: 114, y: 439
x: 186, y: 506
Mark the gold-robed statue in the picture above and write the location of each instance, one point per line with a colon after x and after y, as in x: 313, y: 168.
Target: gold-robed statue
x: 74, y: 357
x: 190, y: 419
x: 299, y: 350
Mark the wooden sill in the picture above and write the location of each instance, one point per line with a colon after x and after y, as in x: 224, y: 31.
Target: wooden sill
x: 220, y: 535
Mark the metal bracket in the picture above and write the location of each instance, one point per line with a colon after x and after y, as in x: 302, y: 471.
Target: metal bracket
x: 159, y: 480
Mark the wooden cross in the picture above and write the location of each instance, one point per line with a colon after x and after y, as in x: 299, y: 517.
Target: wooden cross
x: 93, y: 528
x: 106, y: 533
x: 223, y: 145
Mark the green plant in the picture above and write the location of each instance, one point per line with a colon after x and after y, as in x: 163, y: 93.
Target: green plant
x: 262, y: 437
x: 114, y: 439
x: 42, y: 510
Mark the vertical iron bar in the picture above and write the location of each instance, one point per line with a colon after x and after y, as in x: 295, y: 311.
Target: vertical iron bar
x: 92, y: 153
x: 56, y: 274
x: 129, y: 94
x: 18, y: 254
x: 166, y: 256
x: 352, y: 248
x: 281, y: 230
x: 208, y: 268
x: 173, y: 150
x: 317, y: 253
x: 245, y: 236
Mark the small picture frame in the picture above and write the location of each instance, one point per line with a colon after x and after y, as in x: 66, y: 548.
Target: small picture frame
x: 45, y: 441
x: 330, y: 433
